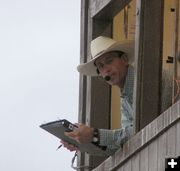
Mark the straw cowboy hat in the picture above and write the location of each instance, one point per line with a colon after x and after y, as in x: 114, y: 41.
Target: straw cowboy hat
x: 102, y: 45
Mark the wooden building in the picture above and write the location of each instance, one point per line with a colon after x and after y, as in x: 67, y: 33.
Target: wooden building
x: 154, y: 27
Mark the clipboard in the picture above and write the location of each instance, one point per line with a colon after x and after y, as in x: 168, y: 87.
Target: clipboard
x: 57, y: 128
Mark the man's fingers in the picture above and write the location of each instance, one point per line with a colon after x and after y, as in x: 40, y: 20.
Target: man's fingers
x: 70, y: 147
x: 71, y: 134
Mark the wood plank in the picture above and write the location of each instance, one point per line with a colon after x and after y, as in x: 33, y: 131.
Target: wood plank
x: 144, y: 159
x: 127, y: 166
x: 82, y: 79
x: 150, y: 56
x: 97, y: 91
x: 153, y: 165
x: 120, y: 169
x: 178, y: 139
x: 137, y: 83
x: 135, y: 162
x: 106, y: 8
x: 171, y: 142
x: 162, y: 151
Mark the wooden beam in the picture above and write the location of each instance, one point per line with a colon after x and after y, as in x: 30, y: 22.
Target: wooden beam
x: 82, y: 79
x: 106, y: 8
x: 149, y: 61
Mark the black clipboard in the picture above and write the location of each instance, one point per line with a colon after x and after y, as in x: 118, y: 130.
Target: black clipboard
x: 57, y: 128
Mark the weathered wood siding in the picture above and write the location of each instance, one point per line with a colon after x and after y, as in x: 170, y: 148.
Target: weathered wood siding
x: 148, y: 149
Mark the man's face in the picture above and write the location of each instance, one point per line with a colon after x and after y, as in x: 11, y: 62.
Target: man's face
x: 110, y: 64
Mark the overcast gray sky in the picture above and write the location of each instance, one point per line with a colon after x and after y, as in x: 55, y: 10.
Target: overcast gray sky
x: 39, y: 52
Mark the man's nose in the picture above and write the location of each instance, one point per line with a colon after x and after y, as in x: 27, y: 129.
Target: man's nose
x: 106, y: 69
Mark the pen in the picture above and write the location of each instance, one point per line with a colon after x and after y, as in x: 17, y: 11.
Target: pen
x: 59, y: 147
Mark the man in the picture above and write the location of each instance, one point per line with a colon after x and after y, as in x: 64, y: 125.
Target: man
x: 110, y: 60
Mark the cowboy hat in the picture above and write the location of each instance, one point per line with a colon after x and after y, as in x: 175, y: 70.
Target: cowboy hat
x: 102, y: 45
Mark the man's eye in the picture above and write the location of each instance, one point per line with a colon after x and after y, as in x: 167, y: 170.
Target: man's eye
x: 100, y: 66
x: 108, y: 61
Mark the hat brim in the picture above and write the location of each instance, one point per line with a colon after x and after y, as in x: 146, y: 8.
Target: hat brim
x: 127, y: 47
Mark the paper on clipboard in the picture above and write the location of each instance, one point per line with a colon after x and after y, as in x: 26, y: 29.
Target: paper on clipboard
x: 57, y: 128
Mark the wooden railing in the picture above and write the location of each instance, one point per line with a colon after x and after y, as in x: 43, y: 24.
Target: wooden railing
x: 148, y: 149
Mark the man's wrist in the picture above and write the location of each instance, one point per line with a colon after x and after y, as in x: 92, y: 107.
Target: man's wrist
x: 95, y: 137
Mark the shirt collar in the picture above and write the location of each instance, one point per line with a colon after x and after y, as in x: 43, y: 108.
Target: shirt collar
x: 129, y: 82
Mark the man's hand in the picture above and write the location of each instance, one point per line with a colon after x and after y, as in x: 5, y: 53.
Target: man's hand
x: 68, y: 146
x: 83, y: 134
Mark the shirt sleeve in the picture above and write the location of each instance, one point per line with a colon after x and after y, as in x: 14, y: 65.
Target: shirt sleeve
x: 114, y: 139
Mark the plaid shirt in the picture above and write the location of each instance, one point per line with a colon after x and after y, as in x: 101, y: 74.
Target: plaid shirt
x: 113, y: 139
